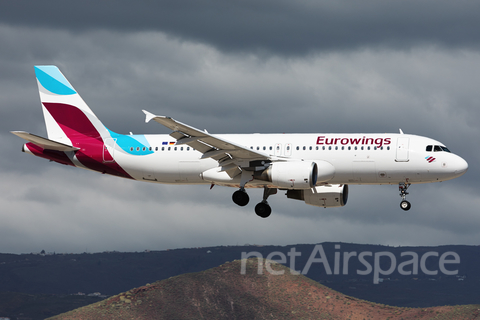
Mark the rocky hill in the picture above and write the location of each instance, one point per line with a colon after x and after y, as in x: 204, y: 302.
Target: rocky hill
x: 225, y: 293
x: 112, y: 272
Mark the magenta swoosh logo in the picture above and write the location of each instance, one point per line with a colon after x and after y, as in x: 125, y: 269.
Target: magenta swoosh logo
x: 85, y: 136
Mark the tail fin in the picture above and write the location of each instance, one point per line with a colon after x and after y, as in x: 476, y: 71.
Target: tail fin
x: 68, y: 118
x: 71, y: 126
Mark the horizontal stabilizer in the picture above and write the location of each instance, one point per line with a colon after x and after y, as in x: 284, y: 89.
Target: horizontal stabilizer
x: 44, y: 143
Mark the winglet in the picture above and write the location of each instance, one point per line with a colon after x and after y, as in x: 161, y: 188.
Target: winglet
x: 401, y: 132
x: 149, y: 116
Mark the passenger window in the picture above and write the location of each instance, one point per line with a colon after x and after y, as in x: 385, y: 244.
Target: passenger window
x: 298, y: 148
x: 349, y: 148
x: 188, y: 148
x: 131, y: 149
x: 181, y: 148
x: 163, y: 148
x: 323, y: 148
x: 156, y: 148
x: 138, y: 148
x: 330, y: 148
x: 429, y: 148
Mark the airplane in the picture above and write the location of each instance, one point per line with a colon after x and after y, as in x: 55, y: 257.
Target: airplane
x: 314, y: 168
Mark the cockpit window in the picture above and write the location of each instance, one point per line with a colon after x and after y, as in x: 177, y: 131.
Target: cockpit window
x: 437, y: 148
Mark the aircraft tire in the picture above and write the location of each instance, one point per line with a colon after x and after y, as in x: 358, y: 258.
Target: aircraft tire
x: 263, y: 210
x: 240, y: 198
x: 405, y: 205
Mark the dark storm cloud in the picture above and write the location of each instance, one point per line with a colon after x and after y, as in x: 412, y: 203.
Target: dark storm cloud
x: 270, y: 66
x: 272, y: 26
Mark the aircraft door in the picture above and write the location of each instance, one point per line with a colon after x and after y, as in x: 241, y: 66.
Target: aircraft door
x: 402, y: 150
x: 108, y: 149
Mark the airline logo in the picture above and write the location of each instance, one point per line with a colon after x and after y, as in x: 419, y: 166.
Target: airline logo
x: 322, y: 140
x: 430, y: 159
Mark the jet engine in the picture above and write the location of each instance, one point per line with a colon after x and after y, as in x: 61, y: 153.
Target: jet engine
x: 296, y: 174
x: 333, y: 195
x: 290, y: 175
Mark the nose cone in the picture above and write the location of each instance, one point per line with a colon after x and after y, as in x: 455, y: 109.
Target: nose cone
x: 461, y: 166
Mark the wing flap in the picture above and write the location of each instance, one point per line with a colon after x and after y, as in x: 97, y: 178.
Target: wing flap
x: 44, y: 143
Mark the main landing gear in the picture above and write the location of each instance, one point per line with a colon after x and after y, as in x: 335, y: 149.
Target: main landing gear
x: 240, y: 197
x: 402, y: 187
x: 262, y: 209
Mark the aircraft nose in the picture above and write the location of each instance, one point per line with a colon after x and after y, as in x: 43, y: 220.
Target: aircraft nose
x: 461, y: 166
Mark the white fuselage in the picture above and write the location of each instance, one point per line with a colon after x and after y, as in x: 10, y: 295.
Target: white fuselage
x: 357, y: 158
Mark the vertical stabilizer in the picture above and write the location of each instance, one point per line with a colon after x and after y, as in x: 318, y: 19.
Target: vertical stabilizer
x: 67, y: 116
x: 72, y: 123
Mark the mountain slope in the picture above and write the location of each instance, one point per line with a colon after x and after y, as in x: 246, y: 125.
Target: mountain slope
x: 225, y: 293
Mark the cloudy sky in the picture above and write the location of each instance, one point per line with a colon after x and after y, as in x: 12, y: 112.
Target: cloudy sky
x: 239, y: 67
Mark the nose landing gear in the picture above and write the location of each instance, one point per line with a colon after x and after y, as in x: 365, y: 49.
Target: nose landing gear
x: 402, y: 187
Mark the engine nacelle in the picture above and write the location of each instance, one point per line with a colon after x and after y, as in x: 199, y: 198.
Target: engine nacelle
x: 290, y: 175
x: 297, y: 174
x: 333, y: 195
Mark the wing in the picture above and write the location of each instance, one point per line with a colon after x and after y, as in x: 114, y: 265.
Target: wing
x: 230, y: 155
x: 44, y: 143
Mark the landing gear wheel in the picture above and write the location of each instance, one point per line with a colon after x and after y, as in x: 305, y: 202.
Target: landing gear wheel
x: 405, y: 205
x: 240, y: 198
x: 263, y: 210
x: 402, y: 187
